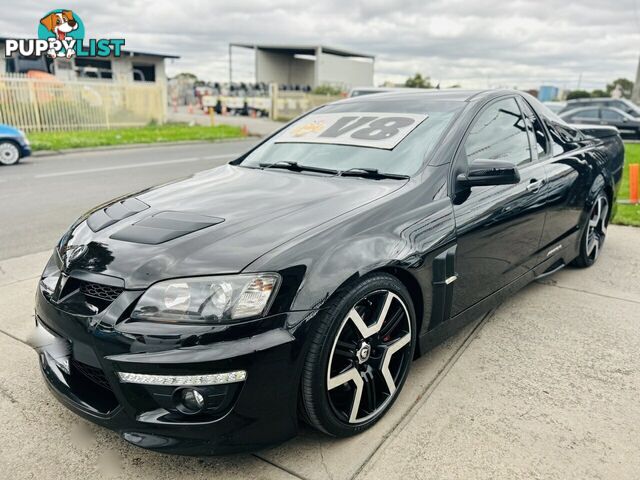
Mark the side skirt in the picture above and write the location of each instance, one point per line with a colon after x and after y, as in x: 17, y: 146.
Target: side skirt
x: 561, y: 254
x: 443, y: 331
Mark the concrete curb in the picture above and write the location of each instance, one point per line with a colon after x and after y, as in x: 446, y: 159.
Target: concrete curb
x: 133, y: 146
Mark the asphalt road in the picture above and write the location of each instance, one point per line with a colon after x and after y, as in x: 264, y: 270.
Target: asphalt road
x: 42, y: 196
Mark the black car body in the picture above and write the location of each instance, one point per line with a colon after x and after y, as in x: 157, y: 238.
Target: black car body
x: 594, y: 115
x: 455, y: 235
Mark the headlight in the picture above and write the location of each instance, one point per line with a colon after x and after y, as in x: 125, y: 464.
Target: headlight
x: 207, y: 299
x: 24, y: 137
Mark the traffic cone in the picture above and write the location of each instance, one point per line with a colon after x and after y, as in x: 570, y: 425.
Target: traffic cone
x: 634, y: 173
x: 245, y: 131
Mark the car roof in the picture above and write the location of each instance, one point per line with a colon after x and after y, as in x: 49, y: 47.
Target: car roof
x: 452, y: 95
x: 595, y: 100
x: 596, y: 107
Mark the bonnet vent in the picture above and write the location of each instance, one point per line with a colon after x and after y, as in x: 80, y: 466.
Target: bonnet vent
x: 114, y: 213
x: 164, y: 226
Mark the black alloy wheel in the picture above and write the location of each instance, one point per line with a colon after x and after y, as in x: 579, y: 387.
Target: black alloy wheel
x: 360, y: 357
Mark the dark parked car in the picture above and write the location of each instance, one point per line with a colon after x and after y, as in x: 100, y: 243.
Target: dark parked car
x: 13, y: 145
x: 300, y: 281
x: 614, y: 117
x: 627, y: 106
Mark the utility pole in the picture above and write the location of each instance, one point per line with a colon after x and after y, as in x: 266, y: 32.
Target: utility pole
x: 635, y: 96
x: 230, y: 66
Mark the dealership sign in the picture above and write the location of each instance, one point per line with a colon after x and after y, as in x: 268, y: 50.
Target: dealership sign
x: 61, y: 34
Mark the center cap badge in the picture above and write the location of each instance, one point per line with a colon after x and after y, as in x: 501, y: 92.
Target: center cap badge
x: 364, y: 352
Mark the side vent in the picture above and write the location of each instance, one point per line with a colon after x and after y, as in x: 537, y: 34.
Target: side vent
x: 444, y: 276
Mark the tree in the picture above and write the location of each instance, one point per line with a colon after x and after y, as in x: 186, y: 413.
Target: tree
x: 186, y: 76
x: 327, y: 90
x: 625, y: 84
x: 599, y: 94
x: 578, y: 94
x: 418, y: 81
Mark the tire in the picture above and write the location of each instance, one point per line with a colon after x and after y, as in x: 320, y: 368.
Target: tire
x: 9, y: 153
x: 595, y: 232
x: 358, y: 362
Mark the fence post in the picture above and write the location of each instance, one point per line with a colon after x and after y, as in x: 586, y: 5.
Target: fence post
x: 273, y: 93
x: 107, y: 101
x: 33, y: 98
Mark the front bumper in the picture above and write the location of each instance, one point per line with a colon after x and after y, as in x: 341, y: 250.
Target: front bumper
x: 80, y: 357
x: 25, y: 150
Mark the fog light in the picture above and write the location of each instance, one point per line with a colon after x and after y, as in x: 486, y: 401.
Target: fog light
x: 191, y: 400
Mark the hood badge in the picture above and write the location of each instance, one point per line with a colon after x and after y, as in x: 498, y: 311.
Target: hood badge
x: 69, y: 254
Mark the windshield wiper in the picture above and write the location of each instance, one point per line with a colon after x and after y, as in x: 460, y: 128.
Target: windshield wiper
x: 371, y: 173
x: 296, y: 167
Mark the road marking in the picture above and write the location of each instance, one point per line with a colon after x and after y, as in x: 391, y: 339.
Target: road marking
x: 135, y: 165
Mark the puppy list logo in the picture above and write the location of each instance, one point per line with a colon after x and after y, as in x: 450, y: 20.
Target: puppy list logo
x: 61, y: 34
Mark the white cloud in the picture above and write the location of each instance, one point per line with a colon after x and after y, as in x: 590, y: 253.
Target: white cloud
x: 476, y: 43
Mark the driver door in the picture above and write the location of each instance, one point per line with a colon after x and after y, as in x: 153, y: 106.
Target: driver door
x: 498, y: 227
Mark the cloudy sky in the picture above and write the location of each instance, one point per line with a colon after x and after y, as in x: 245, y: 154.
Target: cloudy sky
x: 474, y: 43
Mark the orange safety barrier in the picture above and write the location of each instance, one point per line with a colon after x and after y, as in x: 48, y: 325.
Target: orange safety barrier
x: 634, y: 170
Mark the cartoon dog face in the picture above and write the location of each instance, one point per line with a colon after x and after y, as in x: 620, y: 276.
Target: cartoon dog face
x: 60, y: 23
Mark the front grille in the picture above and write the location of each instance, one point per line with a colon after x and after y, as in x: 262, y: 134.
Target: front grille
x: 94, y: 374
x: 103, y: 292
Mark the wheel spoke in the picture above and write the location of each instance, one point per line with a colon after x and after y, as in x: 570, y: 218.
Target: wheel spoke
x: 592, y: 244
x: 351, y: 375
x: 372, y: 397
x: 345, y: 349
x: 367, y: 331
x: 391, y: 350
x: 603, y: 221
x: 393, y: 322
x: 596, y: 214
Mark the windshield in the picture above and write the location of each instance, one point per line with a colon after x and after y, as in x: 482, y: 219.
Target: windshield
x: 404, y: 159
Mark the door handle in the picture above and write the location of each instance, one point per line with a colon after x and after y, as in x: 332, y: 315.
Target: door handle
x: 534, y: 185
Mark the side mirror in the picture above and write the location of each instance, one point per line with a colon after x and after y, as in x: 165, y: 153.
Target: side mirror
x: 625, y: 119
x: 483, y: 172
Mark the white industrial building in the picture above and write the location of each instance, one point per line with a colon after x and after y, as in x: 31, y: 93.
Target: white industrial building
x: 308, y: 65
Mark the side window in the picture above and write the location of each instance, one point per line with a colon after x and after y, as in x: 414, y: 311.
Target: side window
x: 539, y: 138
x: 499, y: 133
x: 588, y: 113
x: 608, y: 114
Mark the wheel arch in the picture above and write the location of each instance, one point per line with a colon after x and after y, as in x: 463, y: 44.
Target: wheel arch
x: 415, y: 291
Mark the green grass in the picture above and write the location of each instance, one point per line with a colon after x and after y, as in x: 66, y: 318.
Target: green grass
x: 171, y: 132
x: 628, y: 214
